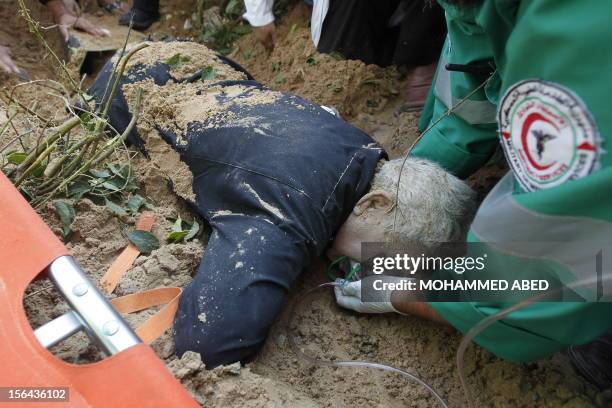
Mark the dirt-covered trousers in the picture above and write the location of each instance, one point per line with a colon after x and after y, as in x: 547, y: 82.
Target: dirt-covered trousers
x: 275, y: 181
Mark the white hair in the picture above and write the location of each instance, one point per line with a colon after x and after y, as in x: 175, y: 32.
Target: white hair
x: 434, y: 206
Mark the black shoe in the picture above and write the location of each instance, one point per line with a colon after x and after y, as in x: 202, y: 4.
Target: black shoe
x: 594, y: 360
x: 141, y: 20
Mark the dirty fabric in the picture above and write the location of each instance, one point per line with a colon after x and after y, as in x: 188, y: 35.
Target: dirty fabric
x: 275, y: 181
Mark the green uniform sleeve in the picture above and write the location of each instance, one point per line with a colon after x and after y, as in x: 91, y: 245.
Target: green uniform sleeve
x: 554, y: 41
x: 465, y: 139
x: 535, y: 331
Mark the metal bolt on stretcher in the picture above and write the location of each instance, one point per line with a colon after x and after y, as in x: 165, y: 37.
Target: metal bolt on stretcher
x: 91, y: 312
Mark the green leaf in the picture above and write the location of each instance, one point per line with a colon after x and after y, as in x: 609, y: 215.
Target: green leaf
x: 38, y: 171
x: 242, y: 29
x: 178, y: 225
x: 193, y: 231
x: 208, y: 73
x: 66, y: 215
x: 130, y: 187
x: 234, y: 8
x: 16, y: 157
x: 111, y: 186
x: 99, y: 173
x: 224, y: 50
x: 114, y: 168
x: 177, y: 60
x: 336, y: 55
x: 177, y: 233
x: 97, y: 200
x: 144, y: 241
x: 123, y: 172
x: 177, y: 236
x: 134, y: 203
x: 114, y: 208
x: 65, y: 212
x: 78, y: 189
x: 311, y: 61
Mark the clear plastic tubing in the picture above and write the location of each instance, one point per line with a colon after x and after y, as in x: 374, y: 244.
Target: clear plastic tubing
x: 485, y: 323
x: 360, y: 364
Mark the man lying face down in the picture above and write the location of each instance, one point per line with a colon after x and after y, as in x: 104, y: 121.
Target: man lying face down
x: 276, y: 176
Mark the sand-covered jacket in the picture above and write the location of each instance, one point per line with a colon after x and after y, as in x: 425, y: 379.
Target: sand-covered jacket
x: 275, y: 175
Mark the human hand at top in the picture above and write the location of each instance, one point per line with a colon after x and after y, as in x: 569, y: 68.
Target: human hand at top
x: 266, y: 35
x: 65, y: 19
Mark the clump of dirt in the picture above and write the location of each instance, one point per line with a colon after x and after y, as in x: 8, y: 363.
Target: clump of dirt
x: 165, y: 162
x: 233, y: 385
x: 185, y: 58
x: 295, y: 66
x: 175, y: 105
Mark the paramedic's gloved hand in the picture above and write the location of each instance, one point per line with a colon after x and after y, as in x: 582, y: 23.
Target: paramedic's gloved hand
x: 348, y: 295
x: 266, y: 35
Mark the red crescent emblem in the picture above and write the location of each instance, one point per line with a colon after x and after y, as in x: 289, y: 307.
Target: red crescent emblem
x: 533, y: 117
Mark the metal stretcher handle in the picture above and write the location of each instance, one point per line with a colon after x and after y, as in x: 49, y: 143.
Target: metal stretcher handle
x: 90, y: 312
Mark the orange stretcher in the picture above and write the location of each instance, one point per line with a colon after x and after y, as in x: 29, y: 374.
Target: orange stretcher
x: 131, y: 376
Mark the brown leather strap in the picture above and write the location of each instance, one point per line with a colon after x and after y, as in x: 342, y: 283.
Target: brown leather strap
x: 124, y: 261
x: 161, y: 321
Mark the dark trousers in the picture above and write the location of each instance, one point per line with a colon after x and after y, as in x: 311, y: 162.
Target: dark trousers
x: 148, y: 6
x: 389, y: 32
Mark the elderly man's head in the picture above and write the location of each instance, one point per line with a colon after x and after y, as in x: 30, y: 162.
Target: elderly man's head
x: 433, y: 207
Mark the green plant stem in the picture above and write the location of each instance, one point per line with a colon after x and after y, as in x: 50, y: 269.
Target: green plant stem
x: 106, y: 151
x: 34, y: 165
x: 34, y: 27
x: 8, y: 122
x: 11, y: 99
x: 57, y: 165
x: 47, y: 142
x: 122, y: 64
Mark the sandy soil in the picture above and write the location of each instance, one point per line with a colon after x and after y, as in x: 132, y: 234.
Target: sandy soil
x: 371, y: 98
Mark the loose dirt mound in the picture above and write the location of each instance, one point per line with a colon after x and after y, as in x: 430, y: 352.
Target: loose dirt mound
x: 369, y: 97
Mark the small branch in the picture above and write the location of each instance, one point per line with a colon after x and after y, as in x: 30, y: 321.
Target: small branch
x: 122, y: 64
x: 50, y: 140
x: 34, y: 165
x: 106, y: 151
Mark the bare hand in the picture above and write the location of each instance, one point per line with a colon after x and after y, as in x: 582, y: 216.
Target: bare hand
x: 266, y: 35
x: 66, y: 21
x: 6, y: 62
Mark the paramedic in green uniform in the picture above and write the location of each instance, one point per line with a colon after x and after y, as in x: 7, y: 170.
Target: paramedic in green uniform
x: 532, y: 78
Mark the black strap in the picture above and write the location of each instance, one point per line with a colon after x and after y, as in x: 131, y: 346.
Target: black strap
x: 486, y: 67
